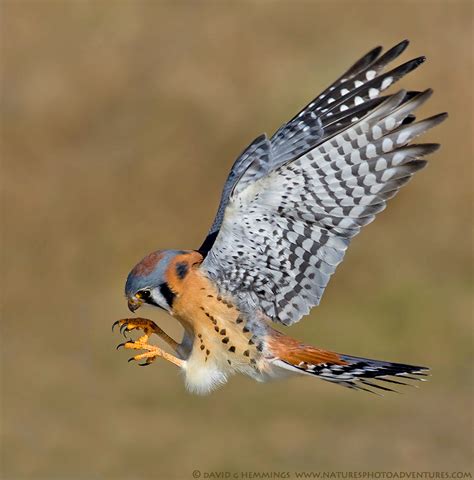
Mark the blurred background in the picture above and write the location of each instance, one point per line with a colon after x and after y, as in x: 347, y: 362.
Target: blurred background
x: 120, y: 121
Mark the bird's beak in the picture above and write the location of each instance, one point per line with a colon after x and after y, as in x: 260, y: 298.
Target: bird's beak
x: 134, y: 303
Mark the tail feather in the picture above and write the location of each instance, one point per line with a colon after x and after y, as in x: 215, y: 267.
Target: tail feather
x: 353, y: 372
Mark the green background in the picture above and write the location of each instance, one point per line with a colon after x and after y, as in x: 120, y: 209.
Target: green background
x: 120, y: 121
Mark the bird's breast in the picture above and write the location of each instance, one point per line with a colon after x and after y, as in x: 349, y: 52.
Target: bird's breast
x: 223, y: 339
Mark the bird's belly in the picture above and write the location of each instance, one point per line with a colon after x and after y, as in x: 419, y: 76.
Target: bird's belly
x: 203, y: 376
x: 211, y: 362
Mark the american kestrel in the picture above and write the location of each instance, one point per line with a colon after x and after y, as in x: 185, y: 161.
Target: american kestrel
x: 289, y: 209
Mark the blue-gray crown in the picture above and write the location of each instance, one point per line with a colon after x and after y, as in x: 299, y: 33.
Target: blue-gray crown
x: 149, y: 272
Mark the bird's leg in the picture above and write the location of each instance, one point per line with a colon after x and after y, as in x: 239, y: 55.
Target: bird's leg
x: 148, y: 327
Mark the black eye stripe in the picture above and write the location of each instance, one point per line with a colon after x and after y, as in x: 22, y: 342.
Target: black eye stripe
x: 145, y: 295
x: 168, y: 295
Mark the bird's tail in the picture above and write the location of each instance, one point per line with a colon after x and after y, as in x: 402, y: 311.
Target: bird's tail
x: 353, y: 372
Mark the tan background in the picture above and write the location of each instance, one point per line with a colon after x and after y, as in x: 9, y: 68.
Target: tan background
x: 120, y: 121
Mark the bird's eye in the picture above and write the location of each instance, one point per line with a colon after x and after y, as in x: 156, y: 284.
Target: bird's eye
x: 144, y: 294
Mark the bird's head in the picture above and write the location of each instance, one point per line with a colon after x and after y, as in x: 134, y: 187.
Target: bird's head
x: 156, y: 279
x: 147, y: 282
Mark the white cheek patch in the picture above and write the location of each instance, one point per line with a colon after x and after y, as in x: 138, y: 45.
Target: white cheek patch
x: 159, y: 300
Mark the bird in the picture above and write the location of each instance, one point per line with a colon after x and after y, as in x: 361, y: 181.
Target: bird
x: 288, y: 211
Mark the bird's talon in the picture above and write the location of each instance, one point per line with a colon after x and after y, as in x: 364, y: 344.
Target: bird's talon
x: 123, y: 329
x: 152, y: 352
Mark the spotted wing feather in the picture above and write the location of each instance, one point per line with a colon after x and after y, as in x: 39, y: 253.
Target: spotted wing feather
x: 250, y: 165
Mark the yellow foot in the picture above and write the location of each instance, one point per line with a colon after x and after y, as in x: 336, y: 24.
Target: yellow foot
x: 148, y: 327
x: 149, y: 356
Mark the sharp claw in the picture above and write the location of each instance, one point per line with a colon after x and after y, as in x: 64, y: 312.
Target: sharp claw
x: 115, y: 324
x: 144, y: 364
x: 120, y: 345
x: 123, y: 329
x: 130, y: 359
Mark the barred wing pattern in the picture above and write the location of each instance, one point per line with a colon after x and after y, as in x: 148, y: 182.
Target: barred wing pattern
x: 284, y: 233
x: 345, y: 101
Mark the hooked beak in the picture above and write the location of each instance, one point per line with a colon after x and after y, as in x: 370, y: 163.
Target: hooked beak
x: 134, y: 303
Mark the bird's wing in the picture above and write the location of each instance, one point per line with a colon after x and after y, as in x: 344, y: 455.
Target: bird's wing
x: 290, y: 211
x: 357, y: 88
